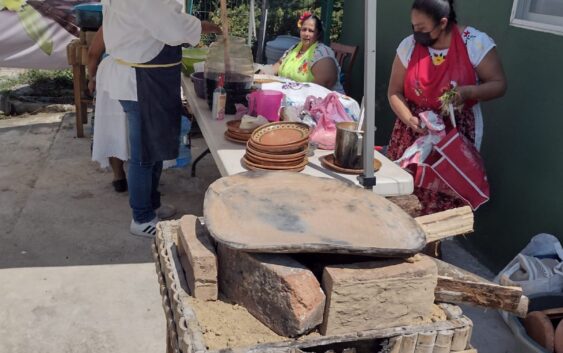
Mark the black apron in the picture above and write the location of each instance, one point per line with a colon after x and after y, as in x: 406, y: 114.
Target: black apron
x: 160, y: 105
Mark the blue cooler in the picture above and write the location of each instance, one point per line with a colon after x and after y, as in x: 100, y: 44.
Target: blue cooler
x: 88, y: 16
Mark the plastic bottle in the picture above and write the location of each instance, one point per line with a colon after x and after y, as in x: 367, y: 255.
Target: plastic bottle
x: 219, y: 100
x: 185, y: 153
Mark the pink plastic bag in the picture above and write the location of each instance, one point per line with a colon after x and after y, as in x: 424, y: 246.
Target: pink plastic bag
x: 326, y: 112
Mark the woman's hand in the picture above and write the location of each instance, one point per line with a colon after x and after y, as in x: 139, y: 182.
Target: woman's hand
x: 413, y: 123
x: 463, y: 94
x: 92, y: 85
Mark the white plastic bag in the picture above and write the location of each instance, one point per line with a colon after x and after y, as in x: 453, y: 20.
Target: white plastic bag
x: 538, y: 268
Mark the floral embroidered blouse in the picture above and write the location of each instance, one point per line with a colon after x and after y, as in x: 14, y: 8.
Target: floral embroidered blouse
x: 478, y: 44
x: 299, y: 67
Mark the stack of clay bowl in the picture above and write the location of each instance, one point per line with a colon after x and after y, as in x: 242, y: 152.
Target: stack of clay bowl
x: 235, y: 134
x: 278, y: 146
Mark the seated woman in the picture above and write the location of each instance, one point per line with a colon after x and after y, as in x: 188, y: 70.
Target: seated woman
x: 310, y: 60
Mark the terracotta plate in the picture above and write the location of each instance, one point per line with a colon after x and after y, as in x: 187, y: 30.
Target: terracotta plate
x: 280, y: 134
x: 282, y: 149
x: 540, y: 329
x: 280, y: 155
x: 234, y: 126
x: 255, y: 168
x: 275, y: 163
x: 294, y: 212
x: 237, y: 135
x: 233, y: 139
x: 261, y: 165
x: 328, y: 162
x: 297, y: 159
x: 558, y: 339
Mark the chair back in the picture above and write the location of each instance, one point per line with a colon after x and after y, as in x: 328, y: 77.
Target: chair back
x: 345, y: 55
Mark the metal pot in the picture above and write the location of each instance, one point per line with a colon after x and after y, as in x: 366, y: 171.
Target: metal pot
x: 349, y: 146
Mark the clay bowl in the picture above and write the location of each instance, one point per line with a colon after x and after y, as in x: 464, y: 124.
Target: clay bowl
x: 280, y: 134
x: 278, y: 159
x: 273, y: 163
x: 281, y: 149
x: 280, y: 155
x: 540, y: 329
x: 234, y: 126
x: 253, y: 166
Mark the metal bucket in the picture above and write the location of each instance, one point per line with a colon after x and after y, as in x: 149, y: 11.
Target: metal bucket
x: 349, y: 146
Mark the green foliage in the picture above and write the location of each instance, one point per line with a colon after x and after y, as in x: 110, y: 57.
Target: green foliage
x: 54, y: 80
x: 34, y: 77
x: 282, y: 16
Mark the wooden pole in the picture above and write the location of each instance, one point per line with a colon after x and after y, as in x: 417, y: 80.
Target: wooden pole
x: 225, y: 22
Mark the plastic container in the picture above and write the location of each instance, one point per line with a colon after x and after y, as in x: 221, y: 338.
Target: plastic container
x: 191, y: 56
x: 238, y: 74
x: 266, y: 103
x: 88, y: 16
x: 198, y: 79
x: 540, y: 301
x: 277, y: 47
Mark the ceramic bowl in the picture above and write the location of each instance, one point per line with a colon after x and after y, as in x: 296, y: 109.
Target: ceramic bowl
x: 280, y: 134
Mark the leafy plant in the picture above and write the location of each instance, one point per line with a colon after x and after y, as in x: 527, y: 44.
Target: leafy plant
x: 282, y: 16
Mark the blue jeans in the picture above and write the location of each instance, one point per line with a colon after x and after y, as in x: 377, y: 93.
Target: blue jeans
x: 142, y: 178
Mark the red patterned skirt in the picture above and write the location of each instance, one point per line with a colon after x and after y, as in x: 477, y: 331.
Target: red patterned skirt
x: 402, y: 138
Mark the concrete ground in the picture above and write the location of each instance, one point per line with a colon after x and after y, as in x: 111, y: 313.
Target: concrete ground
x: 72, y: 278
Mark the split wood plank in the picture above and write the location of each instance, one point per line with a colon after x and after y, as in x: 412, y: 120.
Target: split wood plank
x: 456, y: 285
x: 445, y: 224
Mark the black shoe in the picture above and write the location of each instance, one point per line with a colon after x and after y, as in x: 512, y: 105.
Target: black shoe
x: 120, y: 185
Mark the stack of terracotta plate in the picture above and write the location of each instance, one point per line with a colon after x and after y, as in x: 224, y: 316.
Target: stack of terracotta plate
x: 278, y: 146
x: 235, y: 134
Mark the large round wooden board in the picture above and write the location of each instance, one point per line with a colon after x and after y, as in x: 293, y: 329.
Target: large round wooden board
x: 292, y: 213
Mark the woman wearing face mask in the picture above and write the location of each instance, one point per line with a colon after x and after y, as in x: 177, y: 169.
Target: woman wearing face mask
x: 310, y: 60
x: 441, y: 51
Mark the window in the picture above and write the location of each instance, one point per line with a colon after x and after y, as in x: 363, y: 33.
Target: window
x: 540, y: 15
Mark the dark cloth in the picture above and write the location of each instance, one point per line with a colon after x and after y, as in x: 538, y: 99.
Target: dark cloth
x: 160, y: 104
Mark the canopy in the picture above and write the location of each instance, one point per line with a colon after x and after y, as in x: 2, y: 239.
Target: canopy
x: 35, y: 34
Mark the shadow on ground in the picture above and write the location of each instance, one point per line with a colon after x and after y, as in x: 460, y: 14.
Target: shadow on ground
x: 58, y: 208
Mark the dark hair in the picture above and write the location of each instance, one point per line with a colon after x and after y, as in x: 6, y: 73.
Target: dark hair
x: 318, y: 26
x: 437, y: 9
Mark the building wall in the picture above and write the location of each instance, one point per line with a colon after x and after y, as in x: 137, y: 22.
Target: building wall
x: 522, y: 146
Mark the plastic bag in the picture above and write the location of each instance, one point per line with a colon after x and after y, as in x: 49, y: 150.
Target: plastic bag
x: 326, y: 112
x: 538, y: 268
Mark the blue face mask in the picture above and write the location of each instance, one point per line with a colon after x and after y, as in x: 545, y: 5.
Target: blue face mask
x: 424, y: 38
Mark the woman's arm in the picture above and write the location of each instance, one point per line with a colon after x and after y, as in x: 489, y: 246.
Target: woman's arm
x: 492, y: 80
x: 396, y: 97
x: 96, y: 50
x: 325, y: 72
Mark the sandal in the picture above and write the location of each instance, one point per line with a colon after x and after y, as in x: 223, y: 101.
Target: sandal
x: 119, y: 185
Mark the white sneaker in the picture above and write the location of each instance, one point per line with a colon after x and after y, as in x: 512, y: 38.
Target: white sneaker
x: 165, y: 212
x: 147, y: 229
